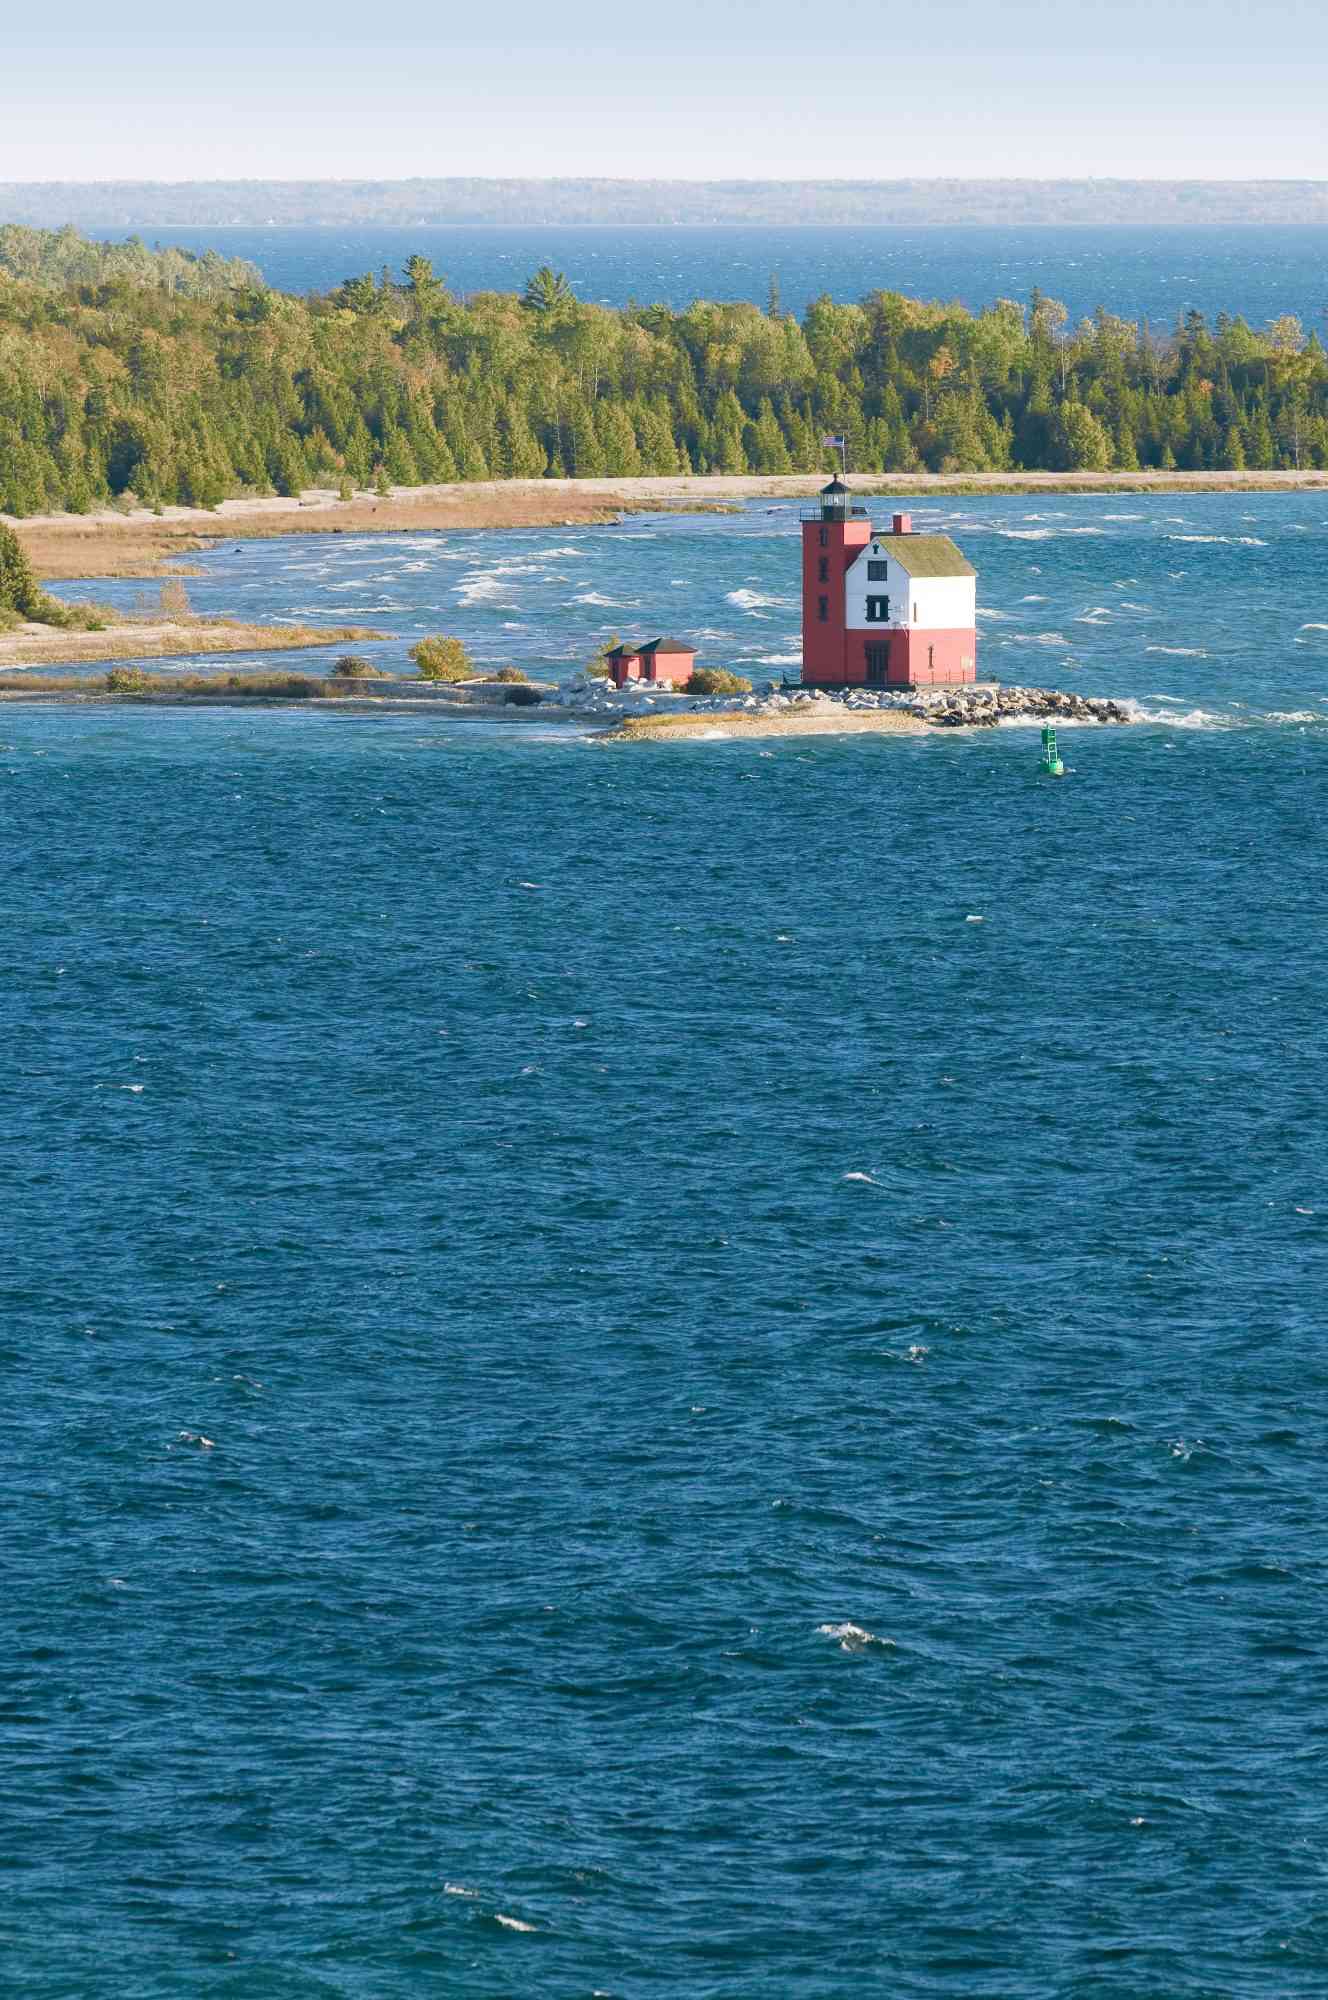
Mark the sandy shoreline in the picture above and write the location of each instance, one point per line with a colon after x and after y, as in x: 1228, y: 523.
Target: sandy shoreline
x: 168, y: 639
x: 737, y: 723
x: 138, y: 543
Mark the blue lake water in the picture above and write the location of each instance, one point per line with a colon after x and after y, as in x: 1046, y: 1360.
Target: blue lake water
x: 693, y: 1371
x: 1157, y: 274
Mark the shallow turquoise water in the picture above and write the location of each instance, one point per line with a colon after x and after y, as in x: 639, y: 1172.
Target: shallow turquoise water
x: 757, y: 1311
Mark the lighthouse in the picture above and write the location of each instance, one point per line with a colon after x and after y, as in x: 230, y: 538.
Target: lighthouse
x: 883, y: 607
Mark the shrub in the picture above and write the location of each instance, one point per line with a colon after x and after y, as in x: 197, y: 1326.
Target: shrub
x: 511, y: 674
x: 716, y: 680
x: 18, y: 586
x: 523, y: 697
x: 175, y: 599
x: 597, y: 669
x: 442, y: 659
x: 352, y: 667
x: 128, y: 680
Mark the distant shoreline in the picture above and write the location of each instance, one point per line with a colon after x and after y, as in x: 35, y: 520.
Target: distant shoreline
x: 138, y: 543
x: 602, y: 201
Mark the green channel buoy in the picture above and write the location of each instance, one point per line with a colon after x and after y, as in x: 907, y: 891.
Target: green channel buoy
x: 1051, y: 765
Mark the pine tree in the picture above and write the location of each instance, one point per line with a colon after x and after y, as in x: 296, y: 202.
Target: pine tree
x: 18, y: 586
x: 587, y: 461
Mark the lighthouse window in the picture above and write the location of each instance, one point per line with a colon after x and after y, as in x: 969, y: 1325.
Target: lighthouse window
x: 822, y: 609
x: 825, y: 538
x: 823, y: 570
x: 878, y: 610
x: 878, y: 572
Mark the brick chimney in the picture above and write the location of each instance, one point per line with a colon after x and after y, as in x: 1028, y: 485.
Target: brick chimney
x: 903, y: 524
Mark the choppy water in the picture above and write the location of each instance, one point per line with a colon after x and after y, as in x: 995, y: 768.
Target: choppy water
x: 677, y: 1372
x: 1156, y: 274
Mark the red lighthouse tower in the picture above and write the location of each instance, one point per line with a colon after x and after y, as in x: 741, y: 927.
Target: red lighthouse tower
x: 883, y: 607
x: 833, y: 536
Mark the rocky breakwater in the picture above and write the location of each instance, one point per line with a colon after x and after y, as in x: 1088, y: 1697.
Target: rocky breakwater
x: 641, y: 713
x: 985, y: 706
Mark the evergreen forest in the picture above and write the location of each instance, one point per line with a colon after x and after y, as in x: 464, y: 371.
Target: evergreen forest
x: 169, y: 378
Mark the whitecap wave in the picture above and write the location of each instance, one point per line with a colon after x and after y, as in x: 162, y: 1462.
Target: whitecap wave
x: 1041, y: 639
x: 755, y: 600
x: 1179, y: 652
x: 853, y: 1638
x: 1191, y: 718
x: 1231, y: 541
x: 778, y: 660
x: 484, y: 587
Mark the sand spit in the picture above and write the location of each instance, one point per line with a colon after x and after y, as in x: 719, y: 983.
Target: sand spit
x: 596, y: 711
x: 166, y: 639
x: 137, y: 542
x: 741, y: 723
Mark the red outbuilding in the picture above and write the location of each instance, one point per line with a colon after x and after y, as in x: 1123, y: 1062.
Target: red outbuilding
x: 662, y: 662
x: 883, y: 607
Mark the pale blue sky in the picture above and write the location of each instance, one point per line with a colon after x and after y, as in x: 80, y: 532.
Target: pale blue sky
x: 688, y: 89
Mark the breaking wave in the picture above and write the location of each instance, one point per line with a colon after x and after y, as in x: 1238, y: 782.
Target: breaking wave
x: 1233, y: 541
x: 853, y: 1638
x: 755, y: 600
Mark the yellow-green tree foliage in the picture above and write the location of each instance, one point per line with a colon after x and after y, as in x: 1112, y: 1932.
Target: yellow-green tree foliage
x: 124, y: 370
x: 442, y: 659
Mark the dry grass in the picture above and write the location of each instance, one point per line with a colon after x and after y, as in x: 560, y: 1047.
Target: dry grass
x: 161, y: 639
x: 139, y: 544
x: 744, y: 722
x: 166, y: 688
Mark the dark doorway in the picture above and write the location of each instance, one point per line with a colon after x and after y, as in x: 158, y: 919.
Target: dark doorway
x: 878, y: 666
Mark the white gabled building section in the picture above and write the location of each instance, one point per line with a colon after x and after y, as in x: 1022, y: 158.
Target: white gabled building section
x: 881, y: 591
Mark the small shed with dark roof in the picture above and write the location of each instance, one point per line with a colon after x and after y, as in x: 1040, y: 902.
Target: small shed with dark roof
x: 662, y: 662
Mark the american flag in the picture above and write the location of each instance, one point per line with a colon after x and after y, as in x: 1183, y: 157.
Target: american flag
x: 835, y: 443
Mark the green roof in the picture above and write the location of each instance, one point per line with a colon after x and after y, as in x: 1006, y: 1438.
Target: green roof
x: 925, y: 555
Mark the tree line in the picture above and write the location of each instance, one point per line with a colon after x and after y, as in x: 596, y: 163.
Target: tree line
x: 126, y: 385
